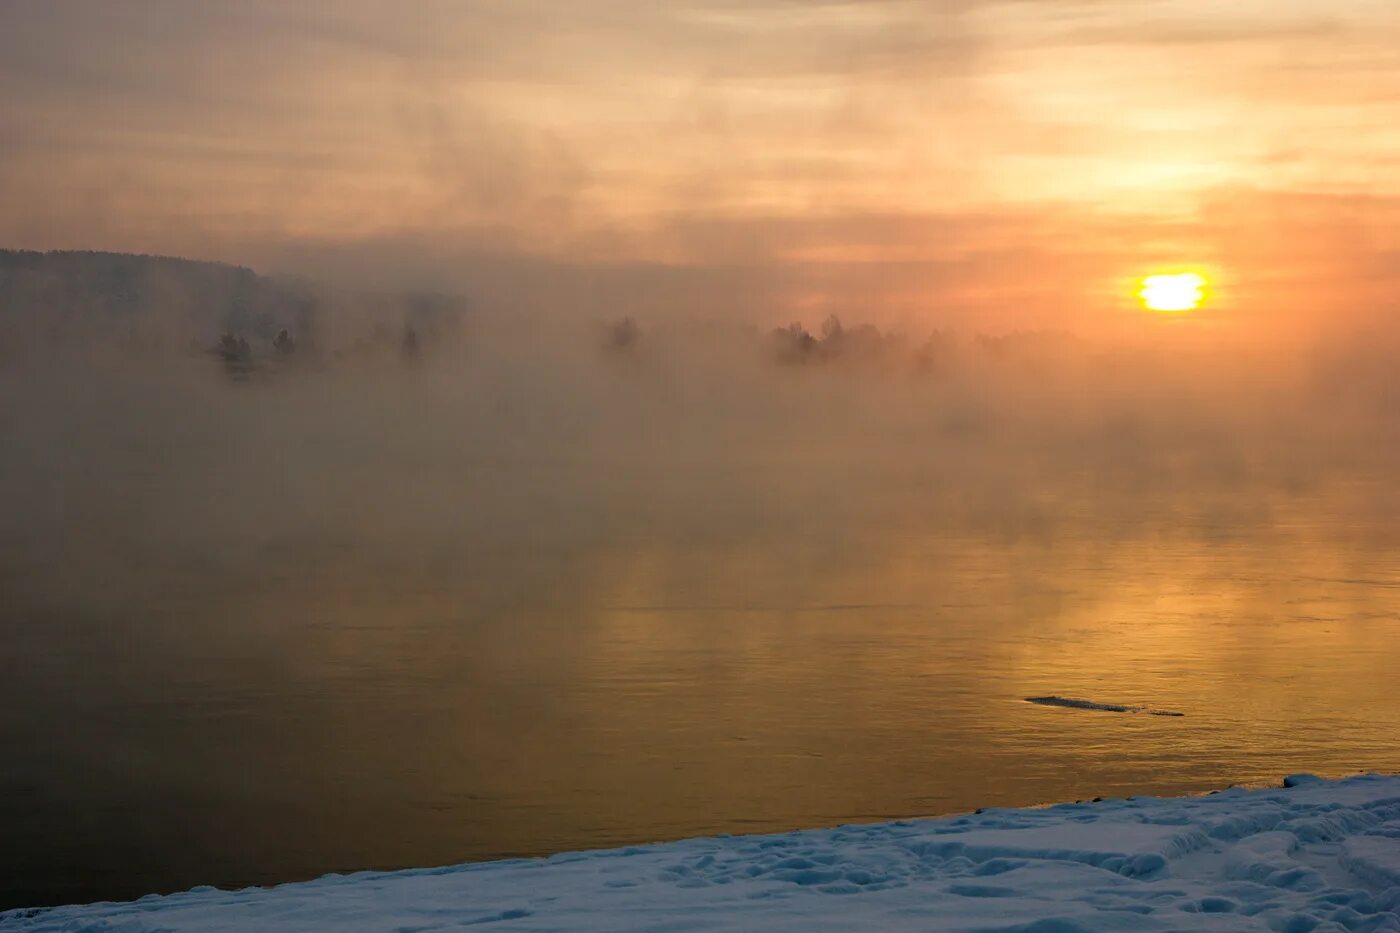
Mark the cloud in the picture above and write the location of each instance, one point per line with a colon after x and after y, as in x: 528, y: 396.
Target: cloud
x: 1004, y: 159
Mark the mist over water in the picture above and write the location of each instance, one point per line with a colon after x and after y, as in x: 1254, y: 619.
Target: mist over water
x: 524, y: 583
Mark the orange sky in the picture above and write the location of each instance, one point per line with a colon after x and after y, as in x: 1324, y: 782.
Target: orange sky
x: 962, y: 163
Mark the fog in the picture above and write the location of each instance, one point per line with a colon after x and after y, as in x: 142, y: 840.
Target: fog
x: 418, y: 424
x: 577, y: 423
x: 529, y: 581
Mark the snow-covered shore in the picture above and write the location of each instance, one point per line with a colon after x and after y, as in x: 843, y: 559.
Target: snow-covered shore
x: 1312, y: 856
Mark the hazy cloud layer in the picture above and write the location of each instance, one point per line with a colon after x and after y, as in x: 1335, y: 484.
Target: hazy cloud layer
x: 1029, y: 154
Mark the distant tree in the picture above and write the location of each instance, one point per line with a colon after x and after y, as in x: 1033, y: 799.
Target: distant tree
x: 233, y: 349
x: 236, y: 355
x: 937, y: 354
x: 622, y: 335
x: 832, y: 329
x: 792, y: 344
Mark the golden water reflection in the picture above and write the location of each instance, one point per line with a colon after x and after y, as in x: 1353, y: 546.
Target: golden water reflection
x: 244, y: 674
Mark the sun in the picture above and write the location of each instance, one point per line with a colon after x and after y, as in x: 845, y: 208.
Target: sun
x: 1179, y: 291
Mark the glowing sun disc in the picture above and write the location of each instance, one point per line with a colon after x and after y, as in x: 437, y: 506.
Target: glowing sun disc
x: 1181, y: 291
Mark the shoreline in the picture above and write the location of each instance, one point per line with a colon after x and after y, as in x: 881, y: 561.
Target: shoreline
x: 1243, y: 854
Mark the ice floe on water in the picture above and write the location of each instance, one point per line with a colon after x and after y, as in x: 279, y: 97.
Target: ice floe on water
x: 1314, y: 855
x: 1072, y: 703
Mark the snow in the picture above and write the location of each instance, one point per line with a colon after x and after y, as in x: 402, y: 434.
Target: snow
x: 1314, y: 855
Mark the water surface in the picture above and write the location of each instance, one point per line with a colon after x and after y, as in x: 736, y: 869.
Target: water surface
x: 254, y: 634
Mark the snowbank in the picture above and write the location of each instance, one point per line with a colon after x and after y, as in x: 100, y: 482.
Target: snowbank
x: 1312, y: 856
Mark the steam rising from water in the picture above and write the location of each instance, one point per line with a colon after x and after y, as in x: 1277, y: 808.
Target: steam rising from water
x: 420, y: 424
x: 362, y: 573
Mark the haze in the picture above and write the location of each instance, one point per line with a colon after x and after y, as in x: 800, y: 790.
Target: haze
x: 987, y: 165
x: 451, y: 430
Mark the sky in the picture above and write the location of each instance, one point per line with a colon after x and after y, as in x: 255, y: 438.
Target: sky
x: 971, y: 164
